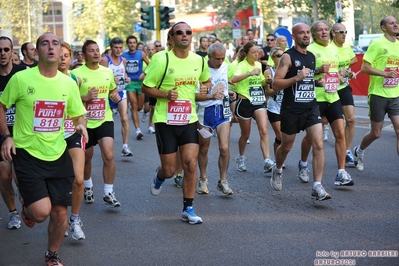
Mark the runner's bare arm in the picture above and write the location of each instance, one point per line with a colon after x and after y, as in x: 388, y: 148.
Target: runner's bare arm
x: 368, y: 69
x: 279, y: 81
x: 104, y: 61
x: 114, y: 95
x: 145, y: 59
x: 8, y: 145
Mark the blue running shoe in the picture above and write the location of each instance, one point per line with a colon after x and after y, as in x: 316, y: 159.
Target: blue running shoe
x: 188, y: 215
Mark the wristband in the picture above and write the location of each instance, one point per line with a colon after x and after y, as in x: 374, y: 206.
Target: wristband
x: 4, y: 137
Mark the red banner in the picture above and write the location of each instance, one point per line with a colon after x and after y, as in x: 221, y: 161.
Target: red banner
x: 360, y: 85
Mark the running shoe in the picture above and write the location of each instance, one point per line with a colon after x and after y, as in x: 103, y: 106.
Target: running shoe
x: 115, y: 111
x: 188, y: 215
x: 223, y: 186
x: 358, y: 159
x: 240, y: 160
x: 144, y: 117
x: 277, y: 179
x: 151, y: 130
x: 88, y: 195
x: 76, y: 228
x: 343, y: 179
x: 303, y: 173
x: 15, y: 221
x: 139, y: 134
x: 156, y: 185
x: 126, y: 152
x: 178, y: 180
x: 248, y: 141
x: 111, y: 200
x: 267, y: 167
x: 52, y: 259
x: 203, y: 186
x: 320, y: 193
x: 350, y: 161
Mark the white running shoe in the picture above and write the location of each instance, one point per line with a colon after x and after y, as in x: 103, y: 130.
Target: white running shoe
x: 76, y: 228
x: 240, y: 160
x: 267, y: 167
x: 151, y: 130
x: 203, y: 186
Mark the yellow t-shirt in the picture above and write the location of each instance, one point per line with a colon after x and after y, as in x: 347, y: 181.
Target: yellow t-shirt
x: 183, y: 74
x: 345, y: 55
x: 244, y: 85
x: 383, y: 54
x: 41, y: 107
x: 98, y: 110
x: 326, y: 55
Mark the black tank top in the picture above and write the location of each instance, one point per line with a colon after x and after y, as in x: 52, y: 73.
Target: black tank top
x: 300, y: 96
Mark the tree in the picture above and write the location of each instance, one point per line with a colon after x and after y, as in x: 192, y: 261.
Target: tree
x: 114, y: 18
x: 23, y: 18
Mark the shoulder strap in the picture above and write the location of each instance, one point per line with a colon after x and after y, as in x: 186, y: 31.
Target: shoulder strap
x: 166, y: 68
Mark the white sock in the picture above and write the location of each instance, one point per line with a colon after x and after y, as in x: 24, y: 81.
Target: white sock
x: 341, y: 170
x: 88, y: 183
x: 108, y: 188
x: 304, y: 164
x: 124, y: 146
x: 315, y: 184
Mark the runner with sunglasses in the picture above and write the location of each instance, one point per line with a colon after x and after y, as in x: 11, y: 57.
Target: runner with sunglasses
x: 175, y: 116
x: 346, y: 59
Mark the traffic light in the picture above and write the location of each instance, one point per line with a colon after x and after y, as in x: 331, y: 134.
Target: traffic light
x: 165, y: 15
x: 147, y: 17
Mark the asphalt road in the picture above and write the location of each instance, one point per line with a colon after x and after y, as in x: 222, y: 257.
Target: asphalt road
x: 255, y: 226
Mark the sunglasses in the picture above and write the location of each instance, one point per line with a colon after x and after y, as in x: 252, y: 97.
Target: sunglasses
x: 158, y: 45
x: 269, y: 40
x: 181, y: 32
x: 278, y: 55
x: 341, y: 31
x: 6, y: 50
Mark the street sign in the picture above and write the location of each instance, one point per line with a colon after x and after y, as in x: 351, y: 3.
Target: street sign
x: 236, y: 33
x: 236, y: 24
x: 338, y: 9
x: 284, y: 32
x: 137, y: 27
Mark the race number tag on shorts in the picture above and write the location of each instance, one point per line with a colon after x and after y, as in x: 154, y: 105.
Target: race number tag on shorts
x: 48, y: 116
x: 304, y: 91
x: 256, y: 95
x: 226, y: 107
x: 179, y: 112
x: 10, y: 115
x: 390, y: 82
x: 69, y: 127
x: 96, y: 109
x: 331, y: 82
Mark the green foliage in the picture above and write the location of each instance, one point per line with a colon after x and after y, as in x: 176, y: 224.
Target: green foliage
x: 115, y: 18
x: 18, y: 15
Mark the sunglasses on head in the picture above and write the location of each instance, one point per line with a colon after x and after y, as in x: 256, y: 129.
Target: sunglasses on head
x: 269, y: 40
x: 5, y: 50
x: 181, y: 32
x: 278, y: 55
x: 341, y: 31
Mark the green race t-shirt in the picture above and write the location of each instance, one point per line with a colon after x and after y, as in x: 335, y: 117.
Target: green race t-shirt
x: 41, y: 107
x: 183, y: 74
x: 326, y: 55
x: 383, y: 55
x: 345, y: 55
x: 98, y: 110
x: 244, y: 85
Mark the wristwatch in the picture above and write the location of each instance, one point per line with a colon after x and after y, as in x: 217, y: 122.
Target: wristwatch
x: 4, y: 137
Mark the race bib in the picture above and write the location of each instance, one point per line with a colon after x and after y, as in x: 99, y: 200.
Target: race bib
x: 69, y: 127
x: 390, y: 82
x: 331, y: 82
x: 48, y: 116
x: 304, y: 91
x: 226, y: 107
x: 179, y: 112
x: 132, y: 66
x: 278, y: 97
x: 96, y: 109
x: 256, y: 95
x: 10, y: 115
